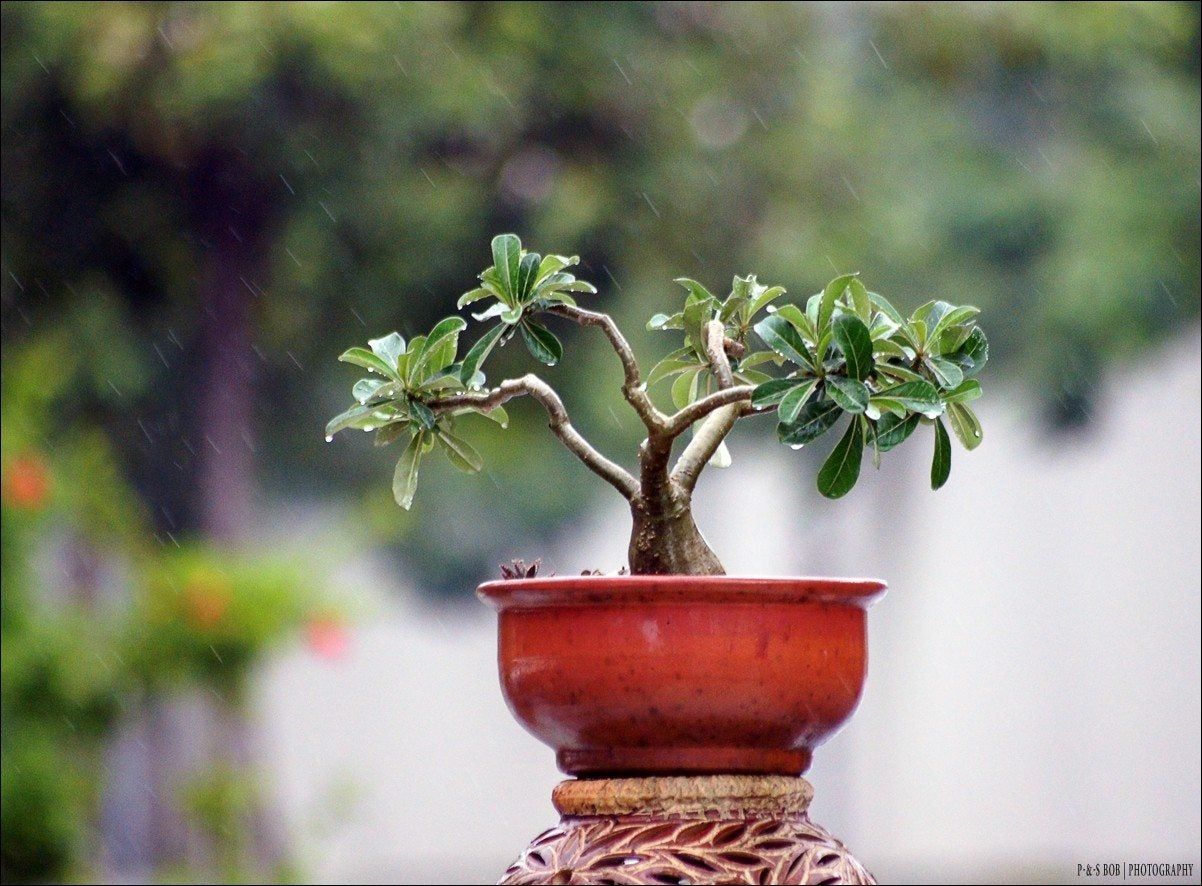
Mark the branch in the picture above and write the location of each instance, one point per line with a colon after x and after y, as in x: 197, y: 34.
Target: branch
x: 533, y: 386
x: 720, y: 420
x: 679, y: 422
x: 715, y: 352
x: 632, y: 387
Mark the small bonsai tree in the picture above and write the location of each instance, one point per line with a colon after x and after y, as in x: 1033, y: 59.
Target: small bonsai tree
x: 847, y: 352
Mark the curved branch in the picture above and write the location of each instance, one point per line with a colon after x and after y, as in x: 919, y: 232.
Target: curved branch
x: 632, y: 387
x: 709, y: 436
x: 557, y: 414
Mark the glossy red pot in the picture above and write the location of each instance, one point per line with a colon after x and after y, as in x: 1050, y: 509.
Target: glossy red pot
x: 657, y: 675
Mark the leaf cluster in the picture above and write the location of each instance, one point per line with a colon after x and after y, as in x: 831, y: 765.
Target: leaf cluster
x: 521, y: 284
x: 853, y: 354
x: 394, y: 401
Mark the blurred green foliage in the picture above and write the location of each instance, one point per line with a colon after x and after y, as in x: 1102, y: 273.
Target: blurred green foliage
x: 98, y: 618
x: 1039, y: 160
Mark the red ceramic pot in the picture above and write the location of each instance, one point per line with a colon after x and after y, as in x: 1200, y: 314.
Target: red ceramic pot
x: 659, y: 675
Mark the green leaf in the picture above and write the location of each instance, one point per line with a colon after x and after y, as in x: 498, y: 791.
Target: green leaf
x: 494, y: 310
x: 931, y: 312
x: 423, y: 414
x: 389, y: 433
x: 404, y: 479
x: 832, y: 293
x: 758, y: 357
x: 965, y: 392
x: 751, y: 376
x: 507, y: 259
x: 527, y: 272
x: 918, y: 396
x: 854, y: 340
x: 740, y: 294
x: 477, y: 353
x: 892, y: 431
x: 900, y: 373
x: 576, y: 286
x: 801, y: 320
x: 434, y: 351
x: 792, y: 403
x: 973, y: 354
x: 770, y: 393
x: 355, y: 417
x: 878, y: 406
x: 953, y: 338
x: 842, y: 467
x: 881, y: 327
x: 511, y: 316
x: 951, y: 317
x: 783, y: 337
x: 497, y: 414
x: 890, y: 349
x: 947, y: 373
x: 389, y: 348
x: 883, y: 305
x: 814, y: 420
x: 672, y: 364
x: 696, y: 290
x: 916, y: 331
x: 553, y: 264
x: 965, y: 424
x: 366, y: 359
x: 761, y: 301
x: 542, y: 343
x: 461, y: 453
x: 365, y: 388
x: 851, y: 395
x: 697, y: 312
x: 860, y: 301
x: 684, y: 389
x: 473, y: 296
x: 941, y: 464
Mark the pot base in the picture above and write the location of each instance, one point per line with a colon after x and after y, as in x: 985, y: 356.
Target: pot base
x: 685, y: 829
x: 595, y: 762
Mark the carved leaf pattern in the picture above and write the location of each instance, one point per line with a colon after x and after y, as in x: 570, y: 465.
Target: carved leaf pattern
x: 679, y: 851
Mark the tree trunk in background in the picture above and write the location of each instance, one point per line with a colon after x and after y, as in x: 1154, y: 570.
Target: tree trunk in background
x: 225, y: 474
x: 175, y: 739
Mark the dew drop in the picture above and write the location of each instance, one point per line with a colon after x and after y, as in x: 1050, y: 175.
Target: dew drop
x: 329, y: 439
x: 796, y: 446
x: 368, y: 428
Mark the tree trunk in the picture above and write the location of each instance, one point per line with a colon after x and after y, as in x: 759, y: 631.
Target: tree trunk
x: 666, y: 541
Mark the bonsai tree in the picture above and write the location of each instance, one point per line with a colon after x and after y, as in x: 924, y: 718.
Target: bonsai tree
x: 846, y: 352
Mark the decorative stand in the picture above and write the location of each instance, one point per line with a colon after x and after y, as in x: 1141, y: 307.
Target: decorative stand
x: 678, y: 830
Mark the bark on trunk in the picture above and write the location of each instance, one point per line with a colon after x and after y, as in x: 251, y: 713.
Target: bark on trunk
x: 666, y: 541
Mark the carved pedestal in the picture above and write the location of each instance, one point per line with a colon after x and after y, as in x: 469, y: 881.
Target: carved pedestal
x: 697, y: 829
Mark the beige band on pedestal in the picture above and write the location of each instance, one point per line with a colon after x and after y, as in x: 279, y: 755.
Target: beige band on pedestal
x: 707, y: 796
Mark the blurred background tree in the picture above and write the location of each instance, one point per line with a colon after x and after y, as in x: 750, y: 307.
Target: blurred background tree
x: 203, y: 203
x: 215, y: 198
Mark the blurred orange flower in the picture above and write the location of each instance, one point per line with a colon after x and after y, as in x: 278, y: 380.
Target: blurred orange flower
x: 206, y: 600
x: 27, y: 482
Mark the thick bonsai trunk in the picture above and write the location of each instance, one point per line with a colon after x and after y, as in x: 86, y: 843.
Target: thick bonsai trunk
x: 666, y: 541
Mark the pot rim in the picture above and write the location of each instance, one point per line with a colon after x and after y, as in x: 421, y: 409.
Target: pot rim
x: 600, y: 590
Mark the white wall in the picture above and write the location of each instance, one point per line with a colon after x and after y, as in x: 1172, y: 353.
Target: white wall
x: 1033, y: 690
